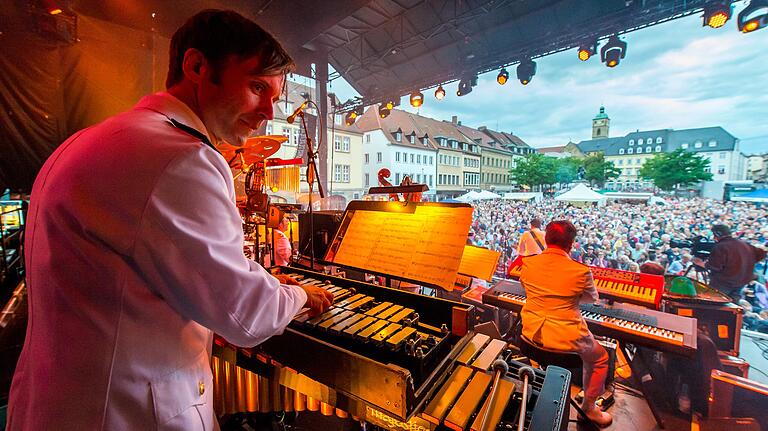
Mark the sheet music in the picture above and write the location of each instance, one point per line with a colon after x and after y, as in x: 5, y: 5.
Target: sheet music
x: 479, y: 262
x: 425, y: 245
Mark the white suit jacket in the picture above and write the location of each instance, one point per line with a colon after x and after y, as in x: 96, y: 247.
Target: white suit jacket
x: 134, y: 255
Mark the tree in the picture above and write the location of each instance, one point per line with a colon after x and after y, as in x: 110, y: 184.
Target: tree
x: 678, y: 168
x: 534, y: 170
x: 566, y: 170
x: 598, y: 170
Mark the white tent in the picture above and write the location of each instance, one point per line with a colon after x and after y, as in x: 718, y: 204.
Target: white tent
x: 582, y: 194
x: 485, y: 194
x: 468, y: 197
x: 519, y: 196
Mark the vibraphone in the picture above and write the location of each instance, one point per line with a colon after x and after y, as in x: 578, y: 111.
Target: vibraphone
x: 382, y: 356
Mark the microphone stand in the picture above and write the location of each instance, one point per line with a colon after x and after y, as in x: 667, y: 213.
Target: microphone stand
x: 311, y: 177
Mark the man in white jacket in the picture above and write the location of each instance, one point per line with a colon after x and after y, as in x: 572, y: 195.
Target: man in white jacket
x: 134, y: 247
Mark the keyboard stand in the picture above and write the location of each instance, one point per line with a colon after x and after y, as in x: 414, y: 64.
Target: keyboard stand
x: 637, y: 365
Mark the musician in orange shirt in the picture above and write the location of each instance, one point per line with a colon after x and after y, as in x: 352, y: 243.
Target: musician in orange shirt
x: 555, y: 285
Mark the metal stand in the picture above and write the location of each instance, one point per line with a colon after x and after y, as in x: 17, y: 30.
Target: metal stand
x: 702, y: 274
x: 311, y: 177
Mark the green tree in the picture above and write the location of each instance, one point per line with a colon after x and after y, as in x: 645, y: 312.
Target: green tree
x: 678, y: 168
x: 567, y: 169
x: 597, y: 170
x: 534, y: 170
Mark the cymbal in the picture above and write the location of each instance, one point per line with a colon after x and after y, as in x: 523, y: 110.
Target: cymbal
x: 255, y: 149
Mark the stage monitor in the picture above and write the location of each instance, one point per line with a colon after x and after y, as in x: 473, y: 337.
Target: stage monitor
x: 736, y: 397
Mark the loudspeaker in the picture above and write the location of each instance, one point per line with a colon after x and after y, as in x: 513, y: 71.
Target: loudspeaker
x: 326, y: 223
x: 722, y: 323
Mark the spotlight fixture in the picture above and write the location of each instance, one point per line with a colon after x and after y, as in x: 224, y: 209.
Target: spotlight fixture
x: 525, y: 71
x: 440, y: 92
x: 465, y: 85
x: 717, y: 14
x: 52, y: 7
x: 502, y: 77
x: 384, y: 110
x: 417, y: 99
x: 612, y: 52
x: 753, y: 17
x: 587, y: 50
x: 350, y: 118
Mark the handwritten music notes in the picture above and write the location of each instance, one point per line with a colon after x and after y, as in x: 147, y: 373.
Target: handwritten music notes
x: 424, y: 246
x: 479, y: 262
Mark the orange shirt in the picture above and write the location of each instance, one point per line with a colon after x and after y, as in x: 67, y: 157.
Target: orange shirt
x: 554, y: 286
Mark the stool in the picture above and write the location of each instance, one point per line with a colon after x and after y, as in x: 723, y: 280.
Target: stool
x: 568, y: 360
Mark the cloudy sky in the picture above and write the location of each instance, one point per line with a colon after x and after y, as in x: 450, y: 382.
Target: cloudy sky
x: 675, y: 75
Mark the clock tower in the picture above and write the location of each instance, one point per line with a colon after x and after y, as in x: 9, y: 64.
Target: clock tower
x: 600, y: 125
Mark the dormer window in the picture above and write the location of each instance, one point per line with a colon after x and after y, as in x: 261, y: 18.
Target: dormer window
x: 658, y: 148
x: 629, y: 151
x: 639, y: 150
x: 649, y: 141
x: 399, y: 136
x: 712, y: 143
x: 647, y: 149
x: 659, y: 140
x: 621, y: 150
x: 684, y: 145
x: 425, y: 141
x: 698, y: 144
x: 412, y: 138
x: 631, y: 142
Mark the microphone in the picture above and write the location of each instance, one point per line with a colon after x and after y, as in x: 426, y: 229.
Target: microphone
x: 291, y: 118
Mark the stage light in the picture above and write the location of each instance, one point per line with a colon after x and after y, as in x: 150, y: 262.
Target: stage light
x: 613, y: 51
x: 465, y: 85
x: 717, y: 14
x: 440, y: 92
x: 350, y: 118
x: 52, y: 7
x: 525, y: 71
x: 417, y: 99
x: 502, y: 77
x: 587, y: 50
x: 384, y: 110
x: 753, y: 17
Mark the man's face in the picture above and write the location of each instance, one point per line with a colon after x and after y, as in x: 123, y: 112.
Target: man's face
x: 241, y: 101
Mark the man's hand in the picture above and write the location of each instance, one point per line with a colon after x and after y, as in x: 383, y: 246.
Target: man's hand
x: 698, y: 261
x: 285, y: 279
x: 318, y: 299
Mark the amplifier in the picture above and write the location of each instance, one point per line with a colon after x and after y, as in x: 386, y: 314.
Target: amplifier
x: 326, y: 223
x: 721, y: 322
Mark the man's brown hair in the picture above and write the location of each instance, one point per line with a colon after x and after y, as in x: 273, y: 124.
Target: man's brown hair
x: 220, y: 34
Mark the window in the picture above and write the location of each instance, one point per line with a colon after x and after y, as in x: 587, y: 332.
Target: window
x: 649, y: 141
x: 368, y: 138
x: 721, y: 169
x: 722, y: 155
x: 659, y: 140
x: 621, y: 162
x: 411, y: 158
x: 269, y: 127
x: 639, y: 150
x: 638, y: 162
x: 397, y: 156
x: 367, y: 180
x: 658, y: 148
x: 337, y: 143
x: 296, y: 135
x: 337, y: 119
x: 684, y: 145
x: 367, y: 158
x: 345, y: 144
x: 378, y: 157
x: 431, y: 160
x: 286, y: 132
x: 630, y: 151
x: 647, y: 149
x: 698, y: 144
x: 412, y: 138
x: 418, y: 158
x: 398, y: 136
x: 708, y: 169
x: 288, y: 107
x: 397, y: 178
x: 631, y: 142
x: 621, y: 150
x: 430, y: 180
x: 418, y: 178
x: 425, y: 141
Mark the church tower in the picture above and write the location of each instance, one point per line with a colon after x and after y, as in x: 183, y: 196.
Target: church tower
x: 600, y: 125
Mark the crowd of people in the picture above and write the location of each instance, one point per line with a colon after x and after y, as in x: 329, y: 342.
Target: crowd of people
x: 624, y: 236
